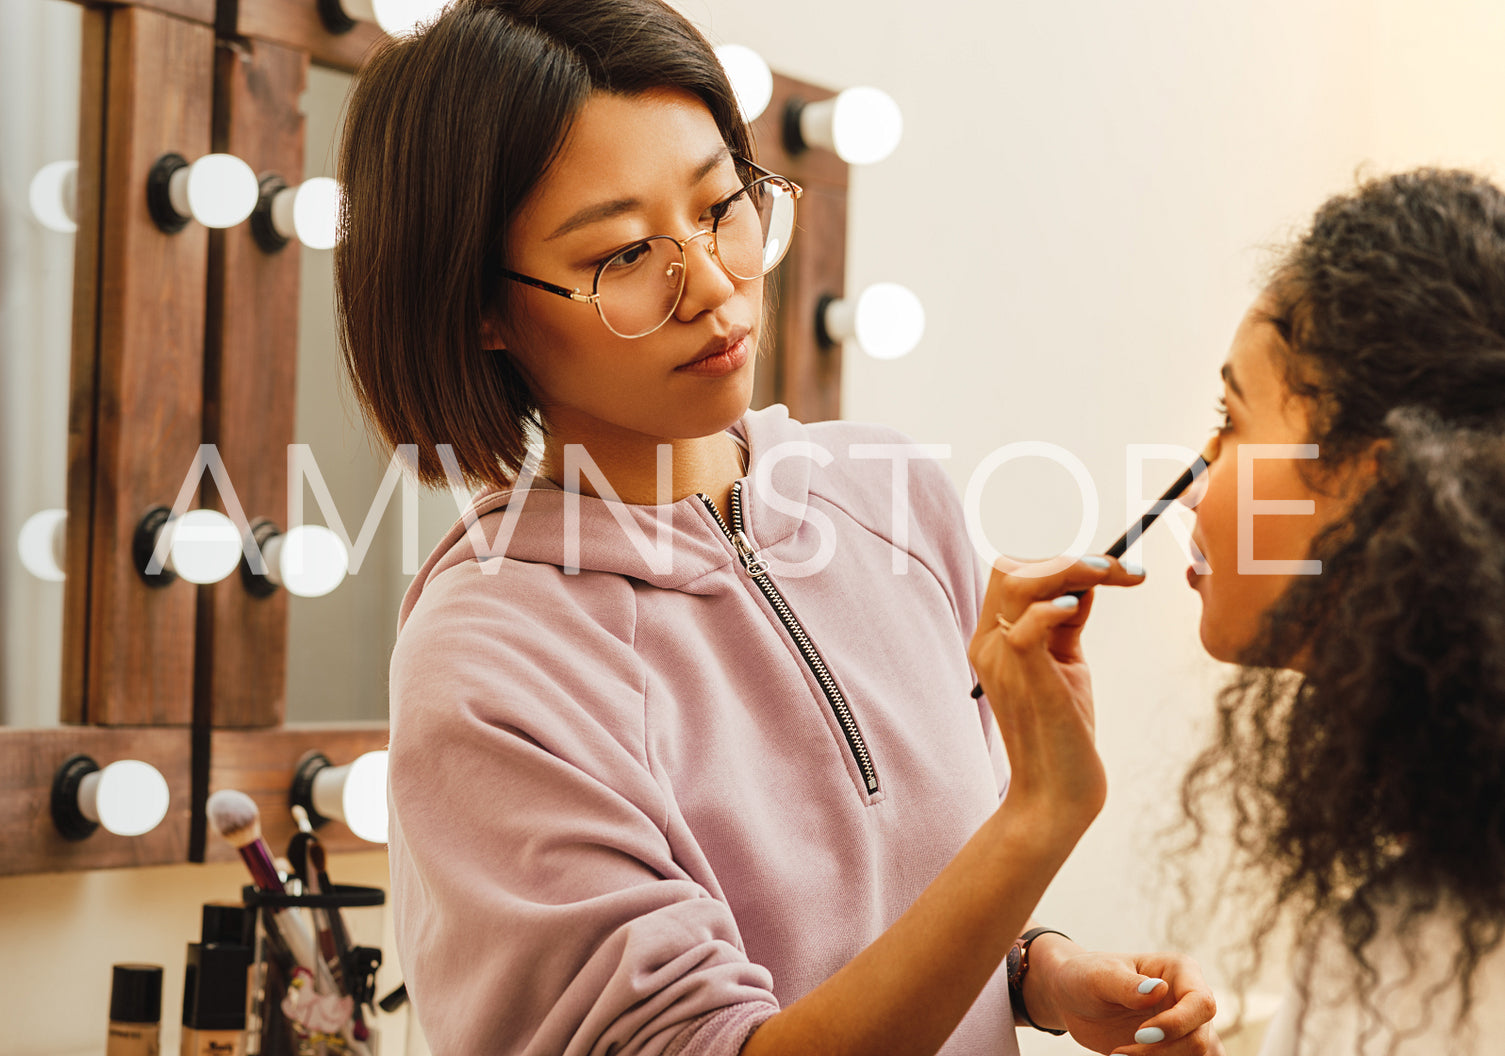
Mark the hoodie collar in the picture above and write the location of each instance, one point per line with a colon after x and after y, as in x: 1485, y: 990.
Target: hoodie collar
x: 545, y: 524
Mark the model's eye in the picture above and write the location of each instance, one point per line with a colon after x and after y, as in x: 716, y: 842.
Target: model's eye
x: 1222, y: 409
x: 629, y: 258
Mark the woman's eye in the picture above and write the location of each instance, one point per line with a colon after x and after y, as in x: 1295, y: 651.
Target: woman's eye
x: 1222, y: 409
x: 627, y: 258
x: 728, y: 209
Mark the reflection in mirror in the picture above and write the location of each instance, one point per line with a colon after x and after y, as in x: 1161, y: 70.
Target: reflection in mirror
x: 39, y: 88
x: 339, y: 644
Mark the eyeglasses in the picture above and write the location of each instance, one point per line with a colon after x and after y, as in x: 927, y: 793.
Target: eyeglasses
x: 638, y: 288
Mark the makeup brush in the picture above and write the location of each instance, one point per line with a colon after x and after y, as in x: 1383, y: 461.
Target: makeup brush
x: 1131, y: 535
x: 235, y: 817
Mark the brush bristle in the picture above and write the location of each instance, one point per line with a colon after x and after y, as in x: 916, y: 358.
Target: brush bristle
x: 234, y: 816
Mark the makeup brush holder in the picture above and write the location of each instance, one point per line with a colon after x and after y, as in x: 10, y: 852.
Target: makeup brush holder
x: 292, y: 1010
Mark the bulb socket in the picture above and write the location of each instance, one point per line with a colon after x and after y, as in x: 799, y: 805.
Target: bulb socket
x: 261, y: 585
x: 262, y: 226
x: 159, y: 194
x: 333, y: 15
x: 823, y: 334
x: 144, y: 543
x: 67, y: 816
x: 301, y: 794
x: 794, y: 137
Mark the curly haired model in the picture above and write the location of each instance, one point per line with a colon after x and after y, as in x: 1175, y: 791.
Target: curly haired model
x: 1363, y: 741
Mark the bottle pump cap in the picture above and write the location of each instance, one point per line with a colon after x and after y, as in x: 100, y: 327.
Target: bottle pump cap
x: 136, y: 993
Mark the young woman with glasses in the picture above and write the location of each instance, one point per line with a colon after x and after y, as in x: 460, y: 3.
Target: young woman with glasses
x: 683, y: 754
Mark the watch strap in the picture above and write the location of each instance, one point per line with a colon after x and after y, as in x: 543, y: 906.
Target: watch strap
x: 1017, y: 966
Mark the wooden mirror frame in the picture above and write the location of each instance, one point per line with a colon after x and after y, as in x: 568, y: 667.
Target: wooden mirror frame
x: 191, y: 338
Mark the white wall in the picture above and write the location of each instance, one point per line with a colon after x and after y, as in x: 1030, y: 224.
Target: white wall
x: 1080, y: 200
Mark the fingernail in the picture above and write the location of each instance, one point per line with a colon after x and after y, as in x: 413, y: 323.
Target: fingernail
x: 1099, y: 563
x: 1149, y: 1036
x: 1066, y: 601
x: 1133, y: 568
x: 1149, y: 984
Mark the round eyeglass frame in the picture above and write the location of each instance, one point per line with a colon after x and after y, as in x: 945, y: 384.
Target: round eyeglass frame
x: 594, y: 297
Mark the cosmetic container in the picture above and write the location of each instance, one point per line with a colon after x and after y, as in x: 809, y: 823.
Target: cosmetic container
x: 275, y: 982
x: 135, y: 1010
x: 214, y: 986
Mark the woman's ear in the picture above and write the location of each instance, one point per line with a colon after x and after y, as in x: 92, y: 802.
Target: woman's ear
x: 492, y: 339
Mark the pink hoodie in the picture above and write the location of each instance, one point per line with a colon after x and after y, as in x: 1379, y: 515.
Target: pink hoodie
x: 632, y: 812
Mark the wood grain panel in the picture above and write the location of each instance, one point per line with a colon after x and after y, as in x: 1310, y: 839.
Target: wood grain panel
x: 261, y: 763
x: 296, y: 23
x: 84, y: 363
x: 251, y: 363
x: 801, y: 373
x: 201, y: 11
x: 29, y: 759
x: 149, y: 376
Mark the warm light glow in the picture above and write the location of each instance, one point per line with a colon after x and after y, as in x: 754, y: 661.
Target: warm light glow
x: 862, y: 125
x: 54, y: 196
x: 396, y: 17
x: 890, y: 320
x: 204, y: 546
x: 886, y: 320
x: 218, y: 190
x: 355, y: 794
x: 310, y: 560
x: 128, y: 797
x: 866, y: 126
x: 41, y: 544
x: 752, y: 80
x: 316, y: 208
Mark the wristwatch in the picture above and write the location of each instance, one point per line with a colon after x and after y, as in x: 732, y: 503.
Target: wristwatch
x: 1017, y: 965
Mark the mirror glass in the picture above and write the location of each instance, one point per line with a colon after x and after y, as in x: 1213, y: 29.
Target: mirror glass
x: 39, y: 88
x: 339, y: 644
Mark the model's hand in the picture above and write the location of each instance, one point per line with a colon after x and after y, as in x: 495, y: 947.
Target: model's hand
x: 1037, y: 682
x: 1097, y: 997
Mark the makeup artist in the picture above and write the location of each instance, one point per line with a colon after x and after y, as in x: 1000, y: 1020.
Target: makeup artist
x: 738, y: 799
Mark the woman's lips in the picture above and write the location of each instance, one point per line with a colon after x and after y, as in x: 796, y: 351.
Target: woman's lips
x: 719, y: 363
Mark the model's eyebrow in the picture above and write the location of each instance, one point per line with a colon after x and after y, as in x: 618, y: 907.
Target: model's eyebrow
x: 1232, y: 382
x: 592, y: 214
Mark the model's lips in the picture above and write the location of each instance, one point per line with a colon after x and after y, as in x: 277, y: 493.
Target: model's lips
x: 724, y: 347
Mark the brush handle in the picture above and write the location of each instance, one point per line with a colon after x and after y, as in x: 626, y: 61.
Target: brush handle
x: 258, y: 859
x: 1129, y: 538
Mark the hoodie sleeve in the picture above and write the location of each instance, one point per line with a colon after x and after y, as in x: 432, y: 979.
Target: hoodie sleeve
x: 537, y: 905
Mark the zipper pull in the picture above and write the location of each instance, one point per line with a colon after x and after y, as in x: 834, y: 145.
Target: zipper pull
x: 754, y: 564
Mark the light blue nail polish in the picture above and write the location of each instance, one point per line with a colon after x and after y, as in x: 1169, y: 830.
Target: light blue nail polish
x: 1099, y: 563
x: 1149, y: 984
x: 1149, y: 1036
x: 1066, y: 601
x: 1133, y: 568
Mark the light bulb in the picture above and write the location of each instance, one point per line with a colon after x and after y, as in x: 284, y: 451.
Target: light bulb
x: 862, y: 125
x: 54, y: 196
x: 316, y: 208
x: 395, y: 17
x: 129, y: 797
x: 218, y: 190
x: 42, y: 543
x: 204, y: 546
x: 752, y: 80
x: 886, y: 320
x: 309, y: 560
x: 356, y: 794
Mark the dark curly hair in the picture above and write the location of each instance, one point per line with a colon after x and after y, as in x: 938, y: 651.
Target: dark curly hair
x: 1373, y: 781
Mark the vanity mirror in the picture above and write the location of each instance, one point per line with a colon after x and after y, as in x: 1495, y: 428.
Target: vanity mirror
x: 176, y: 336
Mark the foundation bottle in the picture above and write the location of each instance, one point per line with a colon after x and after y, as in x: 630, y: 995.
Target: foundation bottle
x: 135, y: 1010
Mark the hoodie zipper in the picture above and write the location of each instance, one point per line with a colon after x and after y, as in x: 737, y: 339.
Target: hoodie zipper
x: 757, y: 570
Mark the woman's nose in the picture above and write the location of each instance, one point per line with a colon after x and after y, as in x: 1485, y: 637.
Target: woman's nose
x: 707, y: 285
